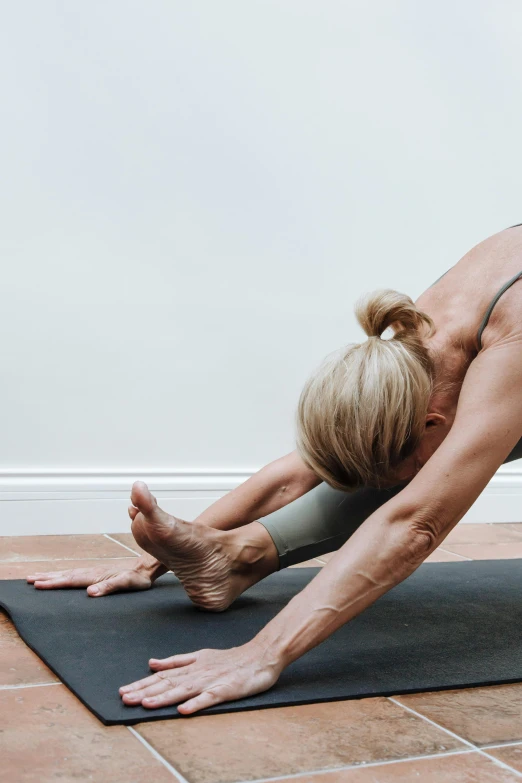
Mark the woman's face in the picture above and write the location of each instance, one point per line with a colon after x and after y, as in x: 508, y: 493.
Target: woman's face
x: 437, y: 427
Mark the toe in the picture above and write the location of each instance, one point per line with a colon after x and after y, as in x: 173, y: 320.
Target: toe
x: 152, y: 523
x: 142, y: 498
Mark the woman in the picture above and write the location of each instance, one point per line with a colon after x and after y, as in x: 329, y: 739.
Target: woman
x: 396, y: 440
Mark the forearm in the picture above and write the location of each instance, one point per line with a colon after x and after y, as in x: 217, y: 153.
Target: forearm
x: 376, y: 558
x: 268, y: 490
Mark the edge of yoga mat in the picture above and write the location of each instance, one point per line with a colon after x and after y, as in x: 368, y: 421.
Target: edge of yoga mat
x: 222, y: 709
x: 242, y: 705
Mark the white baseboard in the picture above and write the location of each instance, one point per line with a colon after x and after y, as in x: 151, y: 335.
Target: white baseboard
x: 60, y: 501
x: 98, y: 515
x: 16, y: 484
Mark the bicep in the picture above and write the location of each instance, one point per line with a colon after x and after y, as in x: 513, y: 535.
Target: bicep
x: 487, y: 426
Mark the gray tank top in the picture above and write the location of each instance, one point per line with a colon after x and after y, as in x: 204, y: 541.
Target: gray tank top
x: 495, y: 299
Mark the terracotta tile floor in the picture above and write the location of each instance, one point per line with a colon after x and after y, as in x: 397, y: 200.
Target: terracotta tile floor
x: 466, y: 736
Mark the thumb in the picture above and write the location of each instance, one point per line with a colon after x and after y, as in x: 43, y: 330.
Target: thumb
x: 110, y: 585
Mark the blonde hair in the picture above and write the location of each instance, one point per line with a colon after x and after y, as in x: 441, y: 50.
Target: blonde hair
x: 363, y: 411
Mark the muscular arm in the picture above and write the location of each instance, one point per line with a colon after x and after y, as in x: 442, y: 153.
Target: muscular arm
x: 268, y: 490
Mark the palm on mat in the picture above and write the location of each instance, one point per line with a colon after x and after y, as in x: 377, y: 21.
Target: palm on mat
x: 200, y: 680
x: 99, y: 580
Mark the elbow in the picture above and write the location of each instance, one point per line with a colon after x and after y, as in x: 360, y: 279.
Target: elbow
x: 421, y: 538
x: 419, y: 527
x: 423, y: 541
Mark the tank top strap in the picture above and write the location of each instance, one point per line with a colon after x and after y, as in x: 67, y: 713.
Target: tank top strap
x: 493, y: 303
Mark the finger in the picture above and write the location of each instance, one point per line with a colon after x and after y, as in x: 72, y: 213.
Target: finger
x: 173, y: 662
x: 58, y: 582
x: 171, y: 696
x: 136, y: 697
x: 126, y: 580
x: 140, y: 684
x: 104, y: 588
x: 110, y: 585
x: 50, y: 584
x: 201, y: 702
x: 132, y: 512
x: 43, y: 576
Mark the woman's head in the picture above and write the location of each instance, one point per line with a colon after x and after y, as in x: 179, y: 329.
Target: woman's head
x: 364, y: 410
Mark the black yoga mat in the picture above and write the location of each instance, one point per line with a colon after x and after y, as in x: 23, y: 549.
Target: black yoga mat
x: 449, y: 625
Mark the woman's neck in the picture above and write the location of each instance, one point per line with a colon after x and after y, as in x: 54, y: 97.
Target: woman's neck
x: 451, y: 360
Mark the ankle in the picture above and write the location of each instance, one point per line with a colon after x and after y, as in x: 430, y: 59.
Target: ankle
x: 255, y: 548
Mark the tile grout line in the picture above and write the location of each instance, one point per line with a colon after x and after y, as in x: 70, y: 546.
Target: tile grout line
x: 61, y: 560
x: 491, y: 746
x: 359, y: 765
x: 452, y: 734
x: 455, y: 554
x: 158, y: 756
x: 119, y: 542
x: 472, y: 748
x: 29, y: 685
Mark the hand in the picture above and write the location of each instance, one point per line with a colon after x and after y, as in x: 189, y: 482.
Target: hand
x: 201, y: 679
x: 101, y: 579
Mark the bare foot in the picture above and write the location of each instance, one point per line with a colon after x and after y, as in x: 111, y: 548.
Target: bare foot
x: 214, y: 566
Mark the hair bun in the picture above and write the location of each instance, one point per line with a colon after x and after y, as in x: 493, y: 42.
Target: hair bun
x: 385, y: 307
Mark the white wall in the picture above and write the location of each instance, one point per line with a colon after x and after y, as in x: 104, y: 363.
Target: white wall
x: 192, y: 197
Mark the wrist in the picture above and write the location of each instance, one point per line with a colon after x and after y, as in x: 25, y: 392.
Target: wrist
x: 268, y: 652
x: 301, y: 625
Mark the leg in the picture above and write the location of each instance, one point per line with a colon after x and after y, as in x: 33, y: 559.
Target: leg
x: 321, y: 521
x: 214, y: 566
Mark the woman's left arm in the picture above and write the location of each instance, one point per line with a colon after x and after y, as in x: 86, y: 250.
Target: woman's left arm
x: 389, y: 546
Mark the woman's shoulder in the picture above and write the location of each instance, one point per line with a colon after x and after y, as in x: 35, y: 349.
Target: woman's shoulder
x: 481, y: 295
